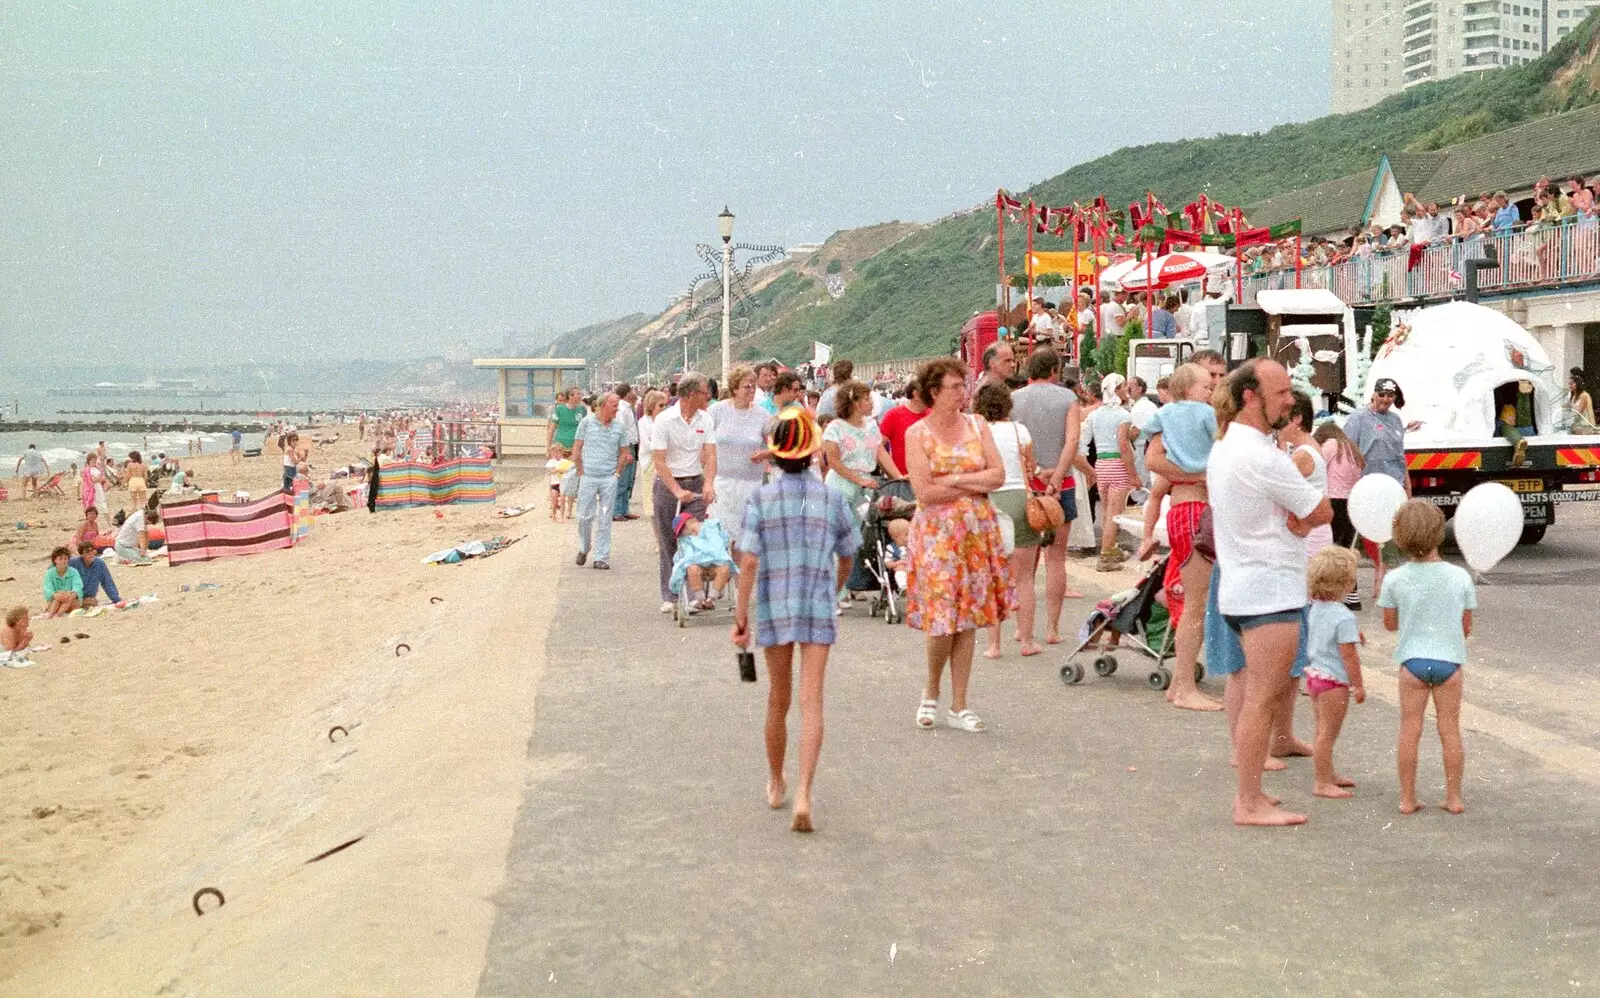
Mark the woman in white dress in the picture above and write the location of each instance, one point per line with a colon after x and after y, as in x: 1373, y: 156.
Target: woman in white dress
x: 740, y: 426
x: 1295, y: 438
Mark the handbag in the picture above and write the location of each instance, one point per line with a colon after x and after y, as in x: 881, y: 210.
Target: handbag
x: 1044, y: 512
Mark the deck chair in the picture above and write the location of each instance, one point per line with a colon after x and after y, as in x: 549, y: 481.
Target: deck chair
x: 53, y: 486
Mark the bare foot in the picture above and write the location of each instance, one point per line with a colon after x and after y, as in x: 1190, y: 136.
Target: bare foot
x: 1331, y: 790
x: 1287, y: 748
x: 1052, y: 639
x: 1146, y: 549
x: 1071, y: 593
x: 801, y: 822
x: 1194, y: 701
x: 1454, y: 806
x: 1029, y: 649
x: 775, y: 792
x: 1270, y: 766
x: 1342, y: 781
x: 991, y: 652
x: 1409, y: 807
x: 1263, y: 814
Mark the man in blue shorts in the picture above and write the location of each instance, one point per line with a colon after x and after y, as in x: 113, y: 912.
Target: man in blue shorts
x: 1261, y: 508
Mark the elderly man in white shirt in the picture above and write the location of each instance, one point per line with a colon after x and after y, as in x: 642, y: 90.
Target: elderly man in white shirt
x: 1262, y: 507
x: 684, y: 452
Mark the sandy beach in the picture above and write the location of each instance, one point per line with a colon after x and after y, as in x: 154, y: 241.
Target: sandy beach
x: 188, y: 744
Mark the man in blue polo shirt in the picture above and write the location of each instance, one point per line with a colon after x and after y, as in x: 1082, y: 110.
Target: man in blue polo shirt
x: 598, y: 451
x: 96, y: 575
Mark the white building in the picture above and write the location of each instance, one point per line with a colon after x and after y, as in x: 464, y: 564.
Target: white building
x: 1381, y: 47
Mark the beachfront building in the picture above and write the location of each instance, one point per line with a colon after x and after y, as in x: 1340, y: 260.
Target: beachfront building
x: 1380, y: 47
x: 528, y: 388
x: 1548, y: 280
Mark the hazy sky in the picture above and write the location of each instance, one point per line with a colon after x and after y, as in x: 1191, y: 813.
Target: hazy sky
x: 222, y: 181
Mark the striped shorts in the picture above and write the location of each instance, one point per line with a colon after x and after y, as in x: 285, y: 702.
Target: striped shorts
x: 1182, y: 519
x: 1111, y: 474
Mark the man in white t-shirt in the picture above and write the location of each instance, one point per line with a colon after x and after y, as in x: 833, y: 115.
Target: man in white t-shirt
x: 1139, y: 414
x: 1261, y: 508
x: 1113, y: 314
x: 683, y: 449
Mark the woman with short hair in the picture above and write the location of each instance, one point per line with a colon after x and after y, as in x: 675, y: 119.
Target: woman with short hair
x: 957, y: 581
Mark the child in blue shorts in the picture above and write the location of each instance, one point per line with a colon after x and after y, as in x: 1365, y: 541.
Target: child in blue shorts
x: 1430, y: 603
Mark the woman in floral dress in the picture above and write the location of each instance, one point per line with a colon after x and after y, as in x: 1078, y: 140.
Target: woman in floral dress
x: 958, y: 581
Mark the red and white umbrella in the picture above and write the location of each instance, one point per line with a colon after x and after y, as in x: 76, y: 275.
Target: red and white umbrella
x: 1111, y: 277
x: 1175, y: 268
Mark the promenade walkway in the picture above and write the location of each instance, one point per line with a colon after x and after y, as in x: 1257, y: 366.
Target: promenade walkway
x: 1082, y: 846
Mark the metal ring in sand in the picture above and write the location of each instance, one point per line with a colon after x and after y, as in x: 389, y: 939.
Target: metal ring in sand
x: 400, y: 646
x: 202, y: 892
x: 340, y: 729
x: 435, y: 599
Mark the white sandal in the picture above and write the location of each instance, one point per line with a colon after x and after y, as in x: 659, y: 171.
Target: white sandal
x: 967, y: 720
x: 927, y: 713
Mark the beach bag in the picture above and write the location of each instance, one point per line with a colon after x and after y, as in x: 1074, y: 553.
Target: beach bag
x: 1044, y: 510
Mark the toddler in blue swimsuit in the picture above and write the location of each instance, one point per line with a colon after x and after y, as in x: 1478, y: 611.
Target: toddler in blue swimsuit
x: 1430, y: 603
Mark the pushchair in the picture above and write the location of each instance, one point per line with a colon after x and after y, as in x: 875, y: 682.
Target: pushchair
x: 893, y: 501
x: 1137, y: 616
x: 684, y: 594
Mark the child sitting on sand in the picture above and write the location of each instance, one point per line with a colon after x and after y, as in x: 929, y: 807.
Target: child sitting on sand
x: 556, y: 469
x: 1188, y: 426
x: 16, y: 636
x: 1333, y: 667
x: 1430, y: 602
x: 701, y: 547
x: 63, y: 587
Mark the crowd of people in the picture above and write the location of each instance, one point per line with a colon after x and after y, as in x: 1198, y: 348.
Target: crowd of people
x: 771, y: 489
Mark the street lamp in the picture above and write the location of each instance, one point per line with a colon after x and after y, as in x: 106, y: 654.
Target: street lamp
x: 725, y: 228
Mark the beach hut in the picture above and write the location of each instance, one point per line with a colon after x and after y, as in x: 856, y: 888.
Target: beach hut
x: 528, y: 388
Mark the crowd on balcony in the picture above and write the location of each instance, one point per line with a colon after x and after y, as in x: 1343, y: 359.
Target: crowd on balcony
x: 1554, y: 205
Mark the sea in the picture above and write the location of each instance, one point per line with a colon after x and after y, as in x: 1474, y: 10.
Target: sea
x: 166, y: 434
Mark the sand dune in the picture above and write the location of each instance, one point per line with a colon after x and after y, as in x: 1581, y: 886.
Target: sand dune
x: 185, y: 744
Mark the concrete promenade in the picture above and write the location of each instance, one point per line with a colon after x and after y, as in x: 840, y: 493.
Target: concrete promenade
x: 1083, y: 845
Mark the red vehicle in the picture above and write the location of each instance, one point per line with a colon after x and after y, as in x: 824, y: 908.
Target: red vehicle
x: 980, y: 331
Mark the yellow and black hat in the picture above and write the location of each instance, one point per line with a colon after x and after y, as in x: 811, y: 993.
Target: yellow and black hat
x: 795, y: 436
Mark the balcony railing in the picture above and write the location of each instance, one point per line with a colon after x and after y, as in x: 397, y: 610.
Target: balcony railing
x: 1543, y: 255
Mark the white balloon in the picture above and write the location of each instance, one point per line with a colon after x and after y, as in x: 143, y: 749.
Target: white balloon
x: 1488, y: 524
x: 1372, y: 505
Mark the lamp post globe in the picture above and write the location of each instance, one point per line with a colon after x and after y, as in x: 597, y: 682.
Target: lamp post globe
x: 725, y: 229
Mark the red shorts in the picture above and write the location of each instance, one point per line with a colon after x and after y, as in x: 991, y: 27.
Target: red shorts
x: 1182, y: 519
x: 1111, y: 474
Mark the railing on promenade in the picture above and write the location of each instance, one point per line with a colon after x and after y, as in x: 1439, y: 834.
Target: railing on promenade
x: 1538, y: 255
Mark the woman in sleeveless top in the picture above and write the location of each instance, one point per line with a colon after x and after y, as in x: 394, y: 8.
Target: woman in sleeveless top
x: 958, y: 580
x: 1307, y: 456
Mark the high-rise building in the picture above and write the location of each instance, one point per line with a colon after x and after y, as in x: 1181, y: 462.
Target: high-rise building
x: 1383, y: 46
x: 1366, y: 52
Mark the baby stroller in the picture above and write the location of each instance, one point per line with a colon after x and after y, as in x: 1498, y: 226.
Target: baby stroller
x: 685, y: 595
x: 893, y: 501
x: 1134, y: 615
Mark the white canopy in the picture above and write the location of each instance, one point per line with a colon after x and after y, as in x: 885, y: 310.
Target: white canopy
x: 1449, y: 364
x: 1301, y: 301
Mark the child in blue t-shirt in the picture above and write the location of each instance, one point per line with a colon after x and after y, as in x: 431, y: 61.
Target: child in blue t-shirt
x: 1430, y: 603
x: 1188, y: 428
x: 1333, y: 665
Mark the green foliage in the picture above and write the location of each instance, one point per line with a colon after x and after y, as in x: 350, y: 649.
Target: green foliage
x: 1382, y: 319
x: 1111, y: 357
x: 1050, y: 281
x: 834, y: 266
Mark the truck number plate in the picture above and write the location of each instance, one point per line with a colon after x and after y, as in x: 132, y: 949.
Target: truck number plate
x: 1523, y: 484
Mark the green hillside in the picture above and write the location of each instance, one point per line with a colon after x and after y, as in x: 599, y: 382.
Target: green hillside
x: 911, y: 298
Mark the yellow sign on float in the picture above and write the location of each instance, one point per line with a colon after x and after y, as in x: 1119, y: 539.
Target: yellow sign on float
x: 1060, y: 262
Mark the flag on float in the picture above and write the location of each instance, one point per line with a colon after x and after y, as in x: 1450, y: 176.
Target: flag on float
x: 821, y: 354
